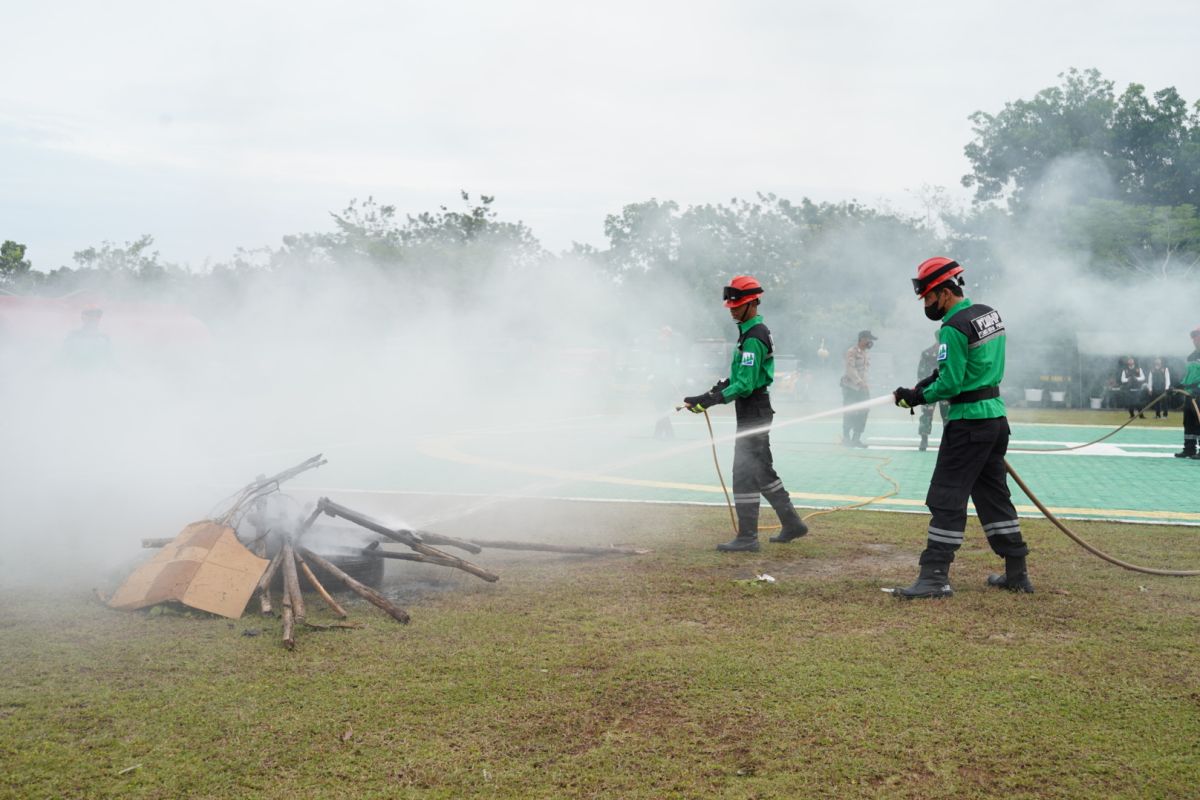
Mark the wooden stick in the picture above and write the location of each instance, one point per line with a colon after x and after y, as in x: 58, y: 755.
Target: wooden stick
x: 316, y: 584
x: 264, y: 594
x: 561, y: 548
x: 291, y: 581
x: 264, y: 583
x: 289, y: 636
x: 403, y: 537
x: 379, y: 553
x: 430, y: 537
x: 365, y: 592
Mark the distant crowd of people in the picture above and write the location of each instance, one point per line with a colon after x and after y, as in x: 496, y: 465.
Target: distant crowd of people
x: 1137, y: 389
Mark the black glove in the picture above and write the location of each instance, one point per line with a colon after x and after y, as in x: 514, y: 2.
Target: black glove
x: 921, y: 384
x: 909, y: 398
x: 697, y: 403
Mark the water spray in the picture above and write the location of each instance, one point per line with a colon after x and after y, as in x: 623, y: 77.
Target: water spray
x: 608, y: 468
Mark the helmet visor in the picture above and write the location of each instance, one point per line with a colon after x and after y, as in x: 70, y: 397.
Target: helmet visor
x: 731, y: 293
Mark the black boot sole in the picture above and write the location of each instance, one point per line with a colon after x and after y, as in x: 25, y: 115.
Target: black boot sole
x: 938, y: 595
x: 784, y: 538
x: 1001, y: 582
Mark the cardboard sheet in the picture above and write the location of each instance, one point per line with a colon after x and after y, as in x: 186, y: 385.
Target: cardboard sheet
x: 204, y: 567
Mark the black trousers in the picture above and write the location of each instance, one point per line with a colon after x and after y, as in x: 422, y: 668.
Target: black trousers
x: 1191, y: 427
x: 854, y: 422
x: 970, y: 465
x: 1135, y: 397
x: 754, y: 473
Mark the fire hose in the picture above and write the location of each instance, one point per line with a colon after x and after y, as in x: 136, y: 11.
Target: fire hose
x: 1016, y: 477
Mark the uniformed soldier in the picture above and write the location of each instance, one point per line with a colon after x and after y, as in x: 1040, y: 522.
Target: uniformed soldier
x: 750, y: 376
x: 1190, y: 383
x: 855, y: 388
x: 926, y: 366
x: 970, y: 462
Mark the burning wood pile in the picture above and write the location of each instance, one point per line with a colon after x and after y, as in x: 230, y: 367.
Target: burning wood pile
x: 216, y: 566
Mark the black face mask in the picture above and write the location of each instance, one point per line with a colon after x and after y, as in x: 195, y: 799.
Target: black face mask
x: 935, y: 312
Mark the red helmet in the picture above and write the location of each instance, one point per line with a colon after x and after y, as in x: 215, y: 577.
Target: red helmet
x: 933, y: 272
x: 741, y: 290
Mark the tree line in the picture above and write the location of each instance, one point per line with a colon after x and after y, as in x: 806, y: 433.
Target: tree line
x: 1112, y: 179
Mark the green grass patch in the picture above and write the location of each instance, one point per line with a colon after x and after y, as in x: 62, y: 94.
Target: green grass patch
x: 665, y: 675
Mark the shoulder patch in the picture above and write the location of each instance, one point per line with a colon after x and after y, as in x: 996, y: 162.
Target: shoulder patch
x: 941, y: 354
x: 747, y: 358
x: 987, y: 325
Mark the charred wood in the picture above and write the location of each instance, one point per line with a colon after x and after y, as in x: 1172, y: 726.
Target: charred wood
x: 316, y: 584
x: 363, y: 591
x: 381, y: 553
x: 404, y: 537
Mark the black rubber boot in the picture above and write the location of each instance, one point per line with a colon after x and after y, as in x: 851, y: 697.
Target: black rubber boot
x: 793, y: 526
x: 1015, y: 577
x: 742, y: 544
x: 933, y: 581
x: 791, y: 532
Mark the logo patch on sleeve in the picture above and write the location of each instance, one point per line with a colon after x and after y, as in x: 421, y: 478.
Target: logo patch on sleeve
x: 747, y: 359
x: 941, y: 352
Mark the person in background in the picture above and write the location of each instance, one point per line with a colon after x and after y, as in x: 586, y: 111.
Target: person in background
x: 970, y: 460
x: 87, y: 347
x: 926, y: 367
x: 748, y: 386
x: 1133, y: 387
x: 1158, y: 380
x: 855, y: 389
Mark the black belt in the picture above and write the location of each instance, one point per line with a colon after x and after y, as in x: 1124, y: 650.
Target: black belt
x: 986, y: 393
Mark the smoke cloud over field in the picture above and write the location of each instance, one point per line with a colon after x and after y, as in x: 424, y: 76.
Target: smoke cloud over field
x: 103, y: 448
x: 364, y: 356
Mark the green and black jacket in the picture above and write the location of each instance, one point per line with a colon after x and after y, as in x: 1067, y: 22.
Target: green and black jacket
x: 753, y: 367
x: 970, y: 362
x: 1191, y: 379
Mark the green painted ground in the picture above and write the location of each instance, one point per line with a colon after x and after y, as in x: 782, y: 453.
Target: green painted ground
x: 1133, y: 476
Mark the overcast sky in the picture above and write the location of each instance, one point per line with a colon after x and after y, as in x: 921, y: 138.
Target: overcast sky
x: 217, y: 125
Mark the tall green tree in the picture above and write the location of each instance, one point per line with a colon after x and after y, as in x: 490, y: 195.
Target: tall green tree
x: 14, y: 267
x: 1147, y: 146
x: 1150, y: 241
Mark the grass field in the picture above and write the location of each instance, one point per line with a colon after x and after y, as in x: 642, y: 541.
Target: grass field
x: 663, y: 675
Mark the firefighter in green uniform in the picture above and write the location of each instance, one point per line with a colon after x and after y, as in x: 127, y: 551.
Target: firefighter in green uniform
x: 926, y: 366
x: 1190, y: 384
x: 750, y: 376
x: 970, y: 462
